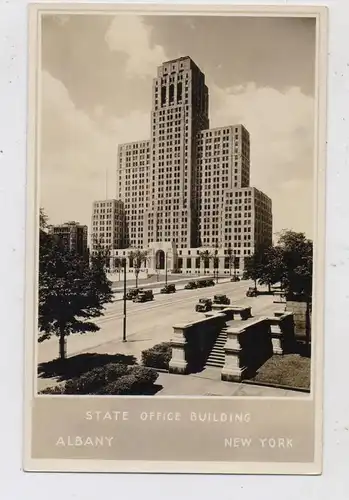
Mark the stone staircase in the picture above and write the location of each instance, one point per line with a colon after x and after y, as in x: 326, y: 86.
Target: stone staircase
x: 217, y: 356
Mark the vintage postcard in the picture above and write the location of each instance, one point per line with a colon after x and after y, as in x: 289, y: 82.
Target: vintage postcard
x: 175, y: 239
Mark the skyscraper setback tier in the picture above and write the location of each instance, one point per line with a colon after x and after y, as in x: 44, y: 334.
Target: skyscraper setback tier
x: 176, y: 187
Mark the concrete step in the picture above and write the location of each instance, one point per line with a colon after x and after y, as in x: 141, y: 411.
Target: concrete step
x: 217, y: 352
x: 216, y: 364
x: 216, y: 356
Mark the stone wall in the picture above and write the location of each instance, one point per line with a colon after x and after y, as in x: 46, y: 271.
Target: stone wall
x: 301, y: 317
x: 193, y: 342
x: 249, y: 344
x: 247, y: 349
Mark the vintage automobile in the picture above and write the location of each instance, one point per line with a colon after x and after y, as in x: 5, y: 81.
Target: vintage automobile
x: 210, y: 283
x: 235, y: 278
x: 251, y: 292
x: 144, y: 296
x: 201, y: 283
x: 221, y: 299
x: 204, y: 305
x: 132, y: 293
x: 190, y: 286
x: 171, y: 288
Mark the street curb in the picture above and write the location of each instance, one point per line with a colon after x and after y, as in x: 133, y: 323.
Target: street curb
x: 276, y: 386
x: 157, y: 291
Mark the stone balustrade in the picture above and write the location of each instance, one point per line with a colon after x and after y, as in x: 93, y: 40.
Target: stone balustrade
x: 282, y: 332
x: 249, y: 346
x: 242, y: 312
x: 192, y: 343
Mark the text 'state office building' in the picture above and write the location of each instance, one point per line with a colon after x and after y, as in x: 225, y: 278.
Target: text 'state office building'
x: 187, y: 189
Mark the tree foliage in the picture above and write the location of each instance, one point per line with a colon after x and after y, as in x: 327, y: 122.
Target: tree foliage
x: 71, y: 291
x: 206, y: 256
x: 297, y: 272
x: 137, y: 258
x: 289, y: 262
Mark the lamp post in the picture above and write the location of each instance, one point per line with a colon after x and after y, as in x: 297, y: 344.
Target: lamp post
x: 235, y: 266
x: 166, y: 268
x: 216, y: 261
x: 229, y: 257
x: 124, y: 317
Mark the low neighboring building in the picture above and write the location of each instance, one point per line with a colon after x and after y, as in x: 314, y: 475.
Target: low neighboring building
x: 73, y: 236
x: 162, y: 256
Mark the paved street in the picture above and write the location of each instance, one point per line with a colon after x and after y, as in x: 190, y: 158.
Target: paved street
x: 152, y: 281
x: 150, y: 322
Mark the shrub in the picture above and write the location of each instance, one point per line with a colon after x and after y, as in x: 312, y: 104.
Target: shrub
x: 114, y: 371
x: 124, y: 385
x: 144, y: 375
x: 88, y: 382
x: 58, y: 389
x: 112, y: 379
x: 137, y: 380
x: 94, y: 380
x: 158, y: 356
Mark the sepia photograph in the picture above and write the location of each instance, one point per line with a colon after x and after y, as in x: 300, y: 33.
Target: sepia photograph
x: 177, y: 234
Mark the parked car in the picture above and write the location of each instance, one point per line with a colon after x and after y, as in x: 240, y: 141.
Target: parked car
x: 191, y: 285
x: 168, y: 289
x: 200, y: 283
x: 210, y: 283
x: 221, y: 299
x: 144, y: 296
x: 204, y: 305
x: 235, y: 278
x: 251, y: 292
x: 132, y: 293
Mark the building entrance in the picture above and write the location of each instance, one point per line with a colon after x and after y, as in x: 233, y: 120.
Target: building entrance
x: 160, y: 259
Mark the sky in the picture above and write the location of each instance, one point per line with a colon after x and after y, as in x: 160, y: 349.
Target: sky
x: 96, y: 80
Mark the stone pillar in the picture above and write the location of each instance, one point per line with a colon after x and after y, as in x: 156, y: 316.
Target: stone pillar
x: 233, y: 370
x: 184, y: 264
x: 301, y: 317
x: 178, y: 362
x: 276, y: 335
x: 193, y: 265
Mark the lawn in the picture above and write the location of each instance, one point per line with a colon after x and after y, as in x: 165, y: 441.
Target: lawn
x: 291, y: 370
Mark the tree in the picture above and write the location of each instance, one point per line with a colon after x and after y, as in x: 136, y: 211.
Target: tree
x: 206, y: 256
x: 232, y: 260
x: 297, y: 273
x: 137, y: 258
x: 71, y: 291
x: 254, y: 264
x: 289, y: 263
x: 271, y: 266
x: 43, y: 220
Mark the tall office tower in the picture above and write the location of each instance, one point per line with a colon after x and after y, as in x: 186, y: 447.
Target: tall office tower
x: 179, y: 112
x: 132, y: 187
x: 107, y: 225
x: 224, y: 163
x: 72, y: 235
x: 189, y: 186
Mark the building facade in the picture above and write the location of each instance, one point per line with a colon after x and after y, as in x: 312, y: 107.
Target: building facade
x: 187, y: 190
x: 108, y: 227
x: 72, y: 235
x: 133, y: 189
